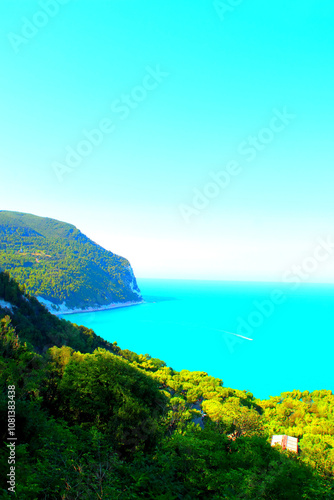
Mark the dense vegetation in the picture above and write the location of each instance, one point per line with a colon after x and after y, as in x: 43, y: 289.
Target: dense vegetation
x: 35, y: 325
x: 118, y: 425
x: 54, y: 260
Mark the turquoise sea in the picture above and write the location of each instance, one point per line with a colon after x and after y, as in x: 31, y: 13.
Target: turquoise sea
x: 184, y: 324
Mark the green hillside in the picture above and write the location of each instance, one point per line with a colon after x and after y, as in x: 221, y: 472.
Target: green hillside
x: 112, y: 424
x: 37, y: 326
x: 57, y: 262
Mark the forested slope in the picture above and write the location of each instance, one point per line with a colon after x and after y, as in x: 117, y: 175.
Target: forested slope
x: 37, y: 326
x: 113, y: 424
x: 55, y: 261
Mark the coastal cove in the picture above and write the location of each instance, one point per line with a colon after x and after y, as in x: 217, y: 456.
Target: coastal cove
x: 185, y: 323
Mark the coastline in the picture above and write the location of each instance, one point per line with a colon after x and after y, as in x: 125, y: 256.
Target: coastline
x: 102, y: 308
x: 63, y: 310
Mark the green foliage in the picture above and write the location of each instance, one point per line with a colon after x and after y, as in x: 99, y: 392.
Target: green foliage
x: 35, y: 325
x: 105, y: 391
x: 308, y: 416
x: 96, y: 424
x: 20, y: 365
x: 56, y: 261
x: 207, y: 464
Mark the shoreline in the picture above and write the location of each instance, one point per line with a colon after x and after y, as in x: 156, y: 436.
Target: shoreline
x: 95, y: 309
x: 66, y: 311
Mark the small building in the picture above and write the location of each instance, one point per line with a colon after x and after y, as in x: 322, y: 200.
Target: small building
x: 286, y: 442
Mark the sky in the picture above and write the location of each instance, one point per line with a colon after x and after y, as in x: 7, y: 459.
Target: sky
x: 193, y: 138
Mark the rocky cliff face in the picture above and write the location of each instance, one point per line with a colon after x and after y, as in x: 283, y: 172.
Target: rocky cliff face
x: 63, y: 267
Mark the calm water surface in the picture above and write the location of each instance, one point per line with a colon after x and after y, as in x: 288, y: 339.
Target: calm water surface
x: 184, y: 324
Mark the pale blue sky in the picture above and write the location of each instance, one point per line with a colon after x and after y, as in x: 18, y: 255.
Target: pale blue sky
x: 222, y: 81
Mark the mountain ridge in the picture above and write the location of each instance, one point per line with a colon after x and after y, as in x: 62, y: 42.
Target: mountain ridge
x: 62, y: 266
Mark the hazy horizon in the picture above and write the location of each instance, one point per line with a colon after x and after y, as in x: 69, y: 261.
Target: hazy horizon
x: 193, y: 140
